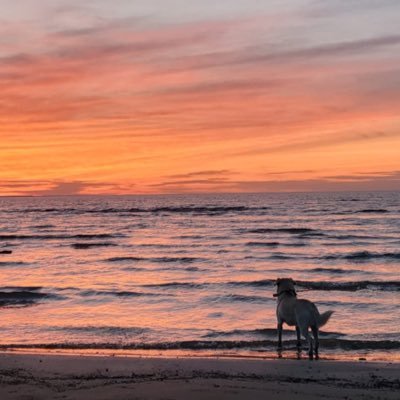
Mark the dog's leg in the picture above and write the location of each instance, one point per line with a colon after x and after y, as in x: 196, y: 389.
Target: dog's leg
x: 298, y: 338
x: 280, y: 325
x: 316, y: 341
x: 306, y: 334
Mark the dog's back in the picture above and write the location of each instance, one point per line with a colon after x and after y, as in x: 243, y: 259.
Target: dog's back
x: 306, y: 313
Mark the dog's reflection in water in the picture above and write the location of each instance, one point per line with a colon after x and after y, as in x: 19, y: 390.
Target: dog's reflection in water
x: 303, y: 314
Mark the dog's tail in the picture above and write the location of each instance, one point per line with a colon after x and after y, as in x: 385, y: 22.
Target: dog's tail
x: 324, y: 318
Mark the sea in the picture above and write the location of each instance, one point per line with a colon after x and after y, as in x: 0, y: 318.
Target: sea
x: 195, y: 274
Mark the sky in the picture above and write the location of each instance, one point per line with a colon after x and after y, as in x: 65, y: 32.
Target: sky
x: 182, y: 96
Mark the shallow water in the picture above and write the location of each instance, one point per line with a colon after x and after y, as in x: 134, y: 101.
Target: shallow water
x: 197, y: 272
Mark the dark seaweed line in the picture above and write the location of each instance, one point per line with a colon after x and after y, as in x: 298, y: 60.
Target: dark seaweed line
x: 343, y: 344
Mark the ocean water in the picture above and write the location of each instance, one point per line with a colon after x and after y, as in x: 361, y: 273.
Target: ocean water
x: 196, y: 273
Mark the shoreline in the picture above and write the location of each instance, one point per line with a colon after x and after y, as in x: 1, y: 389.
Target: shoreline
x: 49, y: 376
x: 271, y: 355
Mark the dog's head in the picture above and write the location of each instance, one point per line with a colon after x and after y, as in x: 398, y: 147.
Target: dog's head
x: 285, y: 285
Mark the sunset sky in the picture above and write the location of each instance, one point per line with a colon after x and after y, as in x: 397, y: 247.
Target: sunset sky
x: 177, y: 96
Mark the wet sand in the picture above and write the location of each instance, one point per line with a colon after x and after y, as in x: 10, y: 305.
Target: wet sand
x: 27, y: 376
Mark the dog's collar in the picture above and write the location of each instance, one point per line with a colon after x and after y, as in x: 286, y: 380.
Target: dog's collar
x: 290, y: 291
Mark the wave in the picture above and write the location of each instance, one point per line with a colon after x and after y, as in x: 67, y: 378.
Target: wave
x: 130, y: 268
x: 309, y: 285
x: 278, y: 256
x: 184, y: 260
x: 350, y: 200
x: 199, y: 210
x: 372, y: 211
x: 11, y: 263
x: 261, y: 283
x: 355, y: 237
x: 103, y: 330
x: 321, y: 285
x: 127, y: 258
x: 170, y: 246
x: 83, y: 246
x: 327, y: 343
x: 21, y: 288
x: 191, y: 269
x: 336, y: 271
x: 299, y: 244
x: 262, y: 244
x: 24, y: 296
x: 294, y: 231
x: 362, y: 211
x: 351, y: 286
x: 44, y: 210
x: 209, y: 210
x: 362, y: 256
x: 177, y: 285
x: 44, y: 226
x: 60, y: 236
x: 282, y: 256
x: 358, y: 256
x: 189, y: 237
x: 121, y: 293
x: 265, y: 332
x: 229, y: 298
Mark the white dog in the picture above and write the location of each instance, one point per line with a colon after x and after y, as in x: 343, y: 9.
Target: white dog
x: 300, y: 313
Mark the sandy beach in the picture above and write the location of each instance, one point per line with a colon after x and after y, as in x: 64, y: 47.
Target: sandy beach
x: 27, y: 376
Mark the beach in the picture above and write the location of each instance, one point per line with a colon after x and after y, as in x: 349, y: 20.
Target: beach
x: 60, y: 376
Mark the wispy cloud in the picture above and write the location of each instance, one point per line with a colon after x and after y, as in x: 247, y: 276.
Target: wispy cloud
x: 389, y: 181
x: 333, y: 8
x: 222, y: 172
x: 257, y: 55
x: 320, y: 141
x: 58, y: 188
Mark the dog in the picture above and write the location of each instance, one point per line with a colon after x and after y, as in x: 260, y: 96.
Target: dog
x: 303, y: 314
